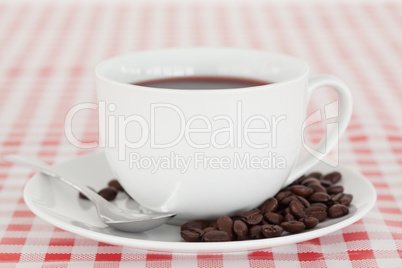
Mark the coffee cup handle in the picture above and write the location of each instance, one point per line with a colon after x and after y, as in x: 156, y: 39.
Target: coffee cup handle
x: 334, y: 131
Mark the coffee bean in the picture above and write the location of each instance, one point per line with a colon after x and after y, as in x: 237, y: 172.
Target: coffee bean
x: 346, y: 199
x: 337, y: 211
x: 269, y: 230
x: 252, y: 217
x: 317, y: 187
x: 192, y: 235
x: 270, y: 205
x: 209, y: 229
x: 197, y: 224
x: 273, y: 218
x: 116, y: 184
x: 319, y: 197
x: 310, y: 181
x: 82, y: 196
x: 341, y: 198
x: 240, y: 229
x: 255, y: 232
x: 326, y: 183
x: 286, y: 211
x: 288, y: 217
x: 333, y: 177
x: 225, y: 224
x: 301, y: 190
x: 282, y: 195
x: 293, y: 226
x: 286, y: 201
x: 109, y: 193
x: 316, y: 212
x: 301, y: 205
x: 335, y: 189
x: 216, y: 236
x: 310, y: 222
x: 315, y: 175
x: 303, y: 201
x: 299, y: 180
x: 296, y: 208
x: 321, y: 205
x: 336, y: 197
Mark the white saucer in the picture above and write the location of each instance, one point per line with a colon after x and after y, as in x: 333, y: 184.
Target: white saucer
x: 59, y: 205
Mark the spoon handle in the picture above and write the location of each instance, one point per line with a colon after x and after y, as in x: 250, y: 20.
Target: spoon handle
x: 46, y: 169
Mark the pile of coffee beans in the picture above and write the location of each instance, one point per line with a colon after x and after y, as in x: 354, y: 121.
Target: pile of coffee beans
x: 109, y: 192
x: 302, y: 205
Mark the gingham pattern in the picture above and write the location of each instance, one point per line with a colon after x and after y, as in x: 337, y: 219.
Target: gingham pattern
x: 47, y: 56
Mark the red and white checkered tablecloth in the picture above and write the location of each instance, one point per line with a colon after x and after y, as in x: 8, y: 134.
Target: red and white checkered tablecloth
x: 48, y: 52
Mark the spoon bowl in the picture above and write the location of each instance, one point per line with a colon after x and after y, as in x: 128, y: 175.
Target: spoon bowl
x: 118, y: 218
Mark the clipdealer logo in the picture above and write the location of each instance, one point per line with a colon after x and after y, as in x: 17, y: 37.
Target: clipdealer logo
x: 218, y: 132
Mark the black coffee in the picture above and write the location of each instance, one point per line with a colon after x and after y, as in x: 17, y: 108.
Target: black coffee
x: 202, y: 82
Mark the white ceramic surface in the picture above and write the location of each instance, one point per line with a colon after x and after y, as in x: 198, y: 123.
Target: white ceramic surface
x: 202, y: 189
x: 59, y: 205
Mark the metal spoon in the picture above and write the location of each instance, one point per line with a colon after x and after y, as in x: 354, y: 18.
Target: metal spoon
x: 122, y: 219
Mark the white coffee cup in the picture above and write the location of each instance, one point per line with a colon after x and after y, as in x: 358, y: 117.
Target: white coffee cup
x: 220, y: 151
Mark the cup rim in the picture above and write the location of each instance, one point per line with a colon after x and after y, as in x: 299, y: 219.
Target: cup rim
x: 301, y: 75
